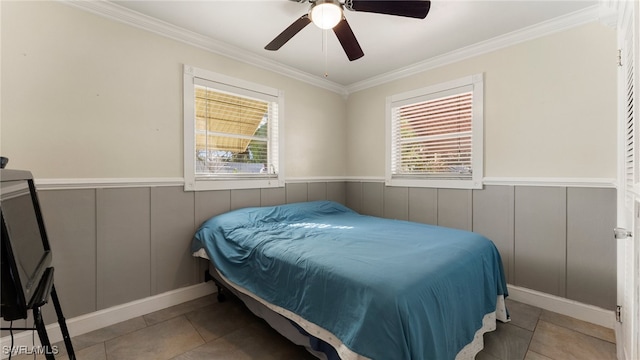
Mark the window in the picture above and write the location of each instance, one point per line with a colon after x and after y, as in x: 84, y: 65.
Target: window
x: 434, y: 136
x: 231, y: 137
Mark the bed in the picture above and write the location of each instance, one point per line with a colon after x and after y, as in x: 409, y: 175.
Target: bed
x: 356, y: 286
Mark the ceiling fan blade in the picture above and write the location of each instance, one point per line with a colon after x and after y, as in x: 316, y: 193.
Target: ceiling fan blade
x: 348, y: 40
x: 410, y: 8
x: 288, y: 33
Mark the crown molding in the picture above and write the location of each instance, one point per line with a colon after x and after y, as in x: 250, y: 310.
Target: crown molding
x: 549, y: 27
x: 121, y: 14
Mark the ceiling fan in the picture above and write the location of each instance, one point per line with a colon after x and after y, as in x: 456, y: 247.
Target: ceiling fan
x: 329, y: 14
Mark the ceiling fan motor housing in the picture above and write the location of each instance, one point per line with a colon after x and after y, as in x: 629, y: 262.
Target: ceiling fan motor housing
x: 408, y: 8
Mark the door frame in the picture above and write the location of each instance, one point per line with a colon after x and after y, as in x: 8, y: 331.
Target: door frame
x: 628, y: 200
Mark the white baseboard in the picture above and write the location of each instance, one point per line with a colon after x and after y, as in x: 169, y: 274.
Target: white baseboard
x: 113, y: 315
x: 580, y: 311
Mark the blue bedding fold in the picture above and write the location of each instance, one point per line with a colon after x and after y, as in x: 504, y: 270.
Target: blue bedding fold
x: 388, y: 289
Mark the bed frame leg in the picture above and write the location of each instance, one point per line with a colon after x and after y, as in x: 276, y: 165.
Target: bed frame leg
x: 221, y: 296
x: 207, y: 276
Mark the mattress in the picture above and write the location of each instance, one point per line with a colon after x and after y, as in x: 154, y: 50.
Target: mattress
x: 371, y: 287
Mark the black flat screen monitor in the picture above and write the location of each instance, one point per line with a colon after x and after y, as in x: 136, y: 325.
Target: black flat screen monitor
x: 25, y: 248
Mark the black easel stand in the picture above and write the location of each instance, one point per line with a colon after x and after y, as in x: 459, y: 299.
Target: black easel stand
x: 40, y: 298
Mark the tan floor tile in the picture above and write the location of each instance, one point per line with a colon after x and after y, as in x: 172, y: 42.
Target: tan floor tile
x: 254, y: 341
x: 27, y: 357
x: 161, y: 341
x: 27, y: 353
x: 219, y: 349
x: 559, y: 343
x: 177, y: 310
x: 507, y: 342
x: 259, y: 340
x: 107, y: 333
x: 482, y: 355
x: 95, y: 352
x: 523, y: 315
x: 219, y: 319
x: 535, y: 356
x: 578, y: 325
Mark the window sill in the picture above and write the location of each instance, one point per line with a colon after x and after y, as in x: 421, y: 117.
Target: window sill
x: 232, y: 184
x: 433, y: 183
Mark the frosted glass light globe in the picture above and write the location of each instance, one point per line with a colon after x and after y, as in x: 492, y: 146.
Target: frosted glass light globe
x: 326, y: 15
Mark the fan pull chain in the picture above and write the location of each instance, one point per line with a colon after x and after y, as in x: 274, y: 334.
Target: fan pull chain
x: 325, y: 49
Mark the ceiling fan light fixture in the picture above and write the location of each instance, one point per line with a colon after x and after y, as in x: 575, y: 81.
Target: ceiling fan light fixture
x: 326, y: 14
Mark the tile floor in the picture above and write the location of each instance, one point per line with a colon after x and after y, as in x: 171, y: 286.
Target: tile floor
x: 206, y: 329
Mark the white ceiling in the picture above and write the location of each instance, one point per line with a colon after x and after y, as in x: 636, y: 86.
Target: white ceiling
x: 390, y: 43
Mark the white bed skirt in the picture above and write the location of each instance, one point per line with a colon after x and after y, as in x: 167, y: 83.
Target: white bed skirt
x: 488, y: 324
x: 278, y: 318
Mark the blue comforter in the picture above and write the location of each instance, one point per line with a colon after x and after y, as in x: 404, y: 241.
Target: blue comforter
x: 387, y: 289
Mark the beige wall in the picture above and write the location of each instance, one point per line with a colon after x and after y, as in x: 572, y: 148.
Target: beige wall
x: 87, y: 97
x: 550, y: 108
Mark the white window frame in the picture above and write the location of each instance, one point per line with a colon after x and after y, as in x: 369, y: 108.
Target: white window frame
x: 193, y: 75
x: 473, y: 82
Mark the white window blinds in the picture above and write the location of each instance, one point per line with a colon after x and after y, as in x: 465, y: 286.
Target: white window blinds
x: 234, y: 134
x: 435, y: 136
